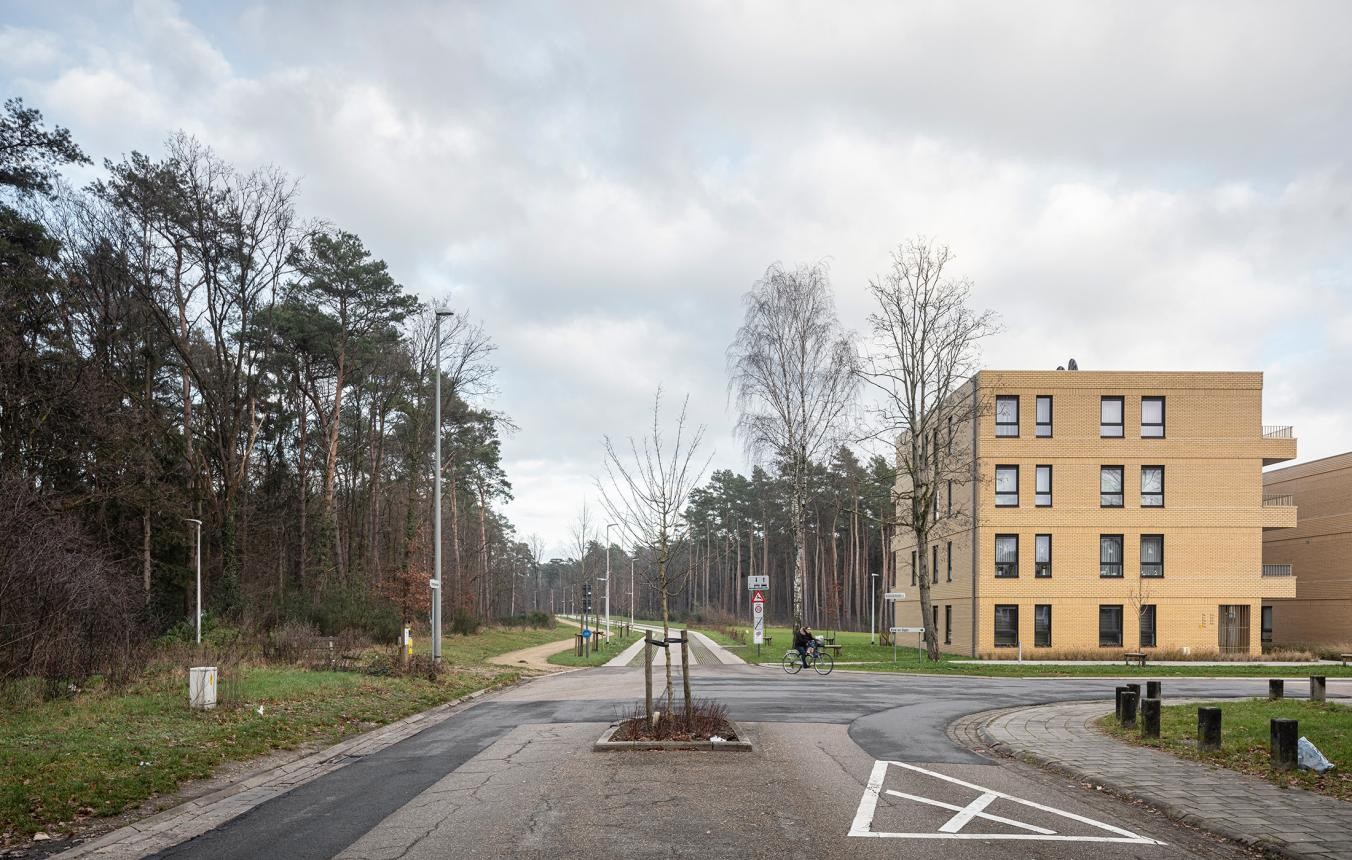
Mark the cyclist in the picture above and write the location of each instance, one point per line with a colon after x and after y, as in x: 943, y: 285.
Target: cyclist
x: 802, y: 641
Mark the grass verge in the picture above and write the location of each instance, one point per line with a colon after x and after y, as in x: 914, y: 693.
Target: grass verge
x: 101, y: 752
x: 598, y: 657
x: 1245, y: 739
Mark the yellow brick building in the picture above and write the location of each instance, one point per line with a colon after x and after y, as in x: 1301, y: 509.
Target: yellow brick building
x: 1105, y: 511
x: 1318, y: 551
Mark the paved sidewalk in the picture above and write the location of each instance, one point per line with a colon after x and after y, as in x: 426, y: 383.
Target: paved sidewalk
x: 1288, y: 821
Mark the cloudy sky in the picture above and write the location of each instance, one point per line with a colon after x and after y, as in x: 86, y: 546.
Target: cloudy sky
x: 1138, y: 185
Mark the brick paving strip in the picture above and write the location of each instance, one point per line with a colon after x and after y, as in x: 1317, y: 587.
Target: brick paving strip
x: 197, y: 816
x: 1289, y: 822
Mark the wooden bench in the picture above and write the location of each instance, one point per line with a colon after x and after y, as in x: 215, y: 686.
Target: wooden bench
x: 832, y: 647
x: 1346, y: 658
x: 1138, y: 656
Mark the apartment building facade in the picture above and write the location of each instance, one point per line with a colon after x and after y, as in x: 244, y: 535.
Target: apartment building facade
x: 1104, y: 511
x: 1317, y: 553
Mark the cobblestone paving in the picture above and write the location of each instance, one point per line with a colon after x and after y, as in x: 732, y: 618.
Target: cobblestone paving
x: 1286, y: 821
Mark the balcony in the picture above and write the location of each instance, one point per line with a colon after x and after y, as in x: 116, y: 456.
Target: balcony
x: 1279, y: 512
x: 1278, y: 444
x: 1278, y: 581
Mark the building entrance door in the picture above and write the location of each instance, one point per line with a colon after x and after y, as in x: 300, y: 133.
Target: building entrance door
x: 1234, y: 629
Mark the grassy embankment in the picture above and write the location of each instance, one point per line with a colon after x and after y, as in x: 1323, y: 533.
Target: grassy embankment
x: 598, y: 656
x: 1245, y: 739
x: 102, y: 751
x: 858, y: 655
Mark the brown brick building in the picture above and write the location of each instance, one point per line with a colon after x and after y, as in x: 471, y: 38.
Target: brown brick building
x: 1106, y: 511
x: 1318, y: 551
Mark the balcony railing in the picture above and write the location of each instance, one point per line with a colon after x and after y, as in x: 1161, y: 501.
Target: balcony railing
x: 1278, y: 501
x: 1277, y: 570
x: 1277, y: 431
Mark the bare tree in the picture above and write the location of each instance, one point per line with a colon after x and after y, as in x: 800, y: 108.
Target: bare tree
x: 792, y: 368
x: 924, y: 350
x: 645, y: 490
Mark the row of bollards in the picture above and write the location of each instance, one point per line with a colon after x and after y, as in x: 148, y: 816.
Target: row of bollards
x: 1284, y: 734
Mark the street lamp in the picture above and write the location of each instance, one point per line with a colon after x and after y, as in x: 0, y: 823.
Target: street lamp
x: 199, y: 576
x: 631, y: 596
x: 609, y: 526
x: 436, y: 508
x: 872, y: 608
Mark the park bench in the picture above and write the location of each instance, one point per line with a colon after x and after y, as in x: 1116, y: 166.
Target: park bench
x: 1138, y: 656
x: 1346, y: 658
x: 833, y: 648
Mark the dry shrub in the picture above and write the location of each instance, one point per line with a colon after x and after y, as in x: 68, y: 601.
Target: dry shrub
x: 705, y: 719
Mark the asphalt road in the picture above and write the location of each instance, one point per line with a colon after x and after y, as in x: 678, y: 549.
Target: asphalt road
x: 850, y: 765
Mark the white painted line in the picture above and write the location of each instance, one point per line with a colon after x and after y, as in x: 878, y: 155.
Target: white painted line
x: 863, y: 819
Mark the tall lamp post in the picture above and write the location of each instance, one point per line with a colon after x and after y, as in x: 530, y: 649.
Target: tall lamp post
x: 198, y: 523
x: 872, y: 607
x: 631, y: 596
x: 436, y: 508
x: 609, y: 526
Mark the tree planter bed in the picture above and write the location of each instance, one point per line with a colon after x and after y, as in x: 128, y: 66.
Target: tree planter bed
x: 741, y: 744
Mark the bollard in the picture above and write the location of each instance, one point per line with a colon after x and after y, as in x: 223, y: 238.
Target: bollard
x: 1150, y: 718
x: 1208, y: 728
x: 1117, y: 703
x: 1129, y: 710
x: 1317, y: 687
x: 1153, y: 690
x: 1136, y: 688
x: 1283, y: 734
x: 1276, y: 688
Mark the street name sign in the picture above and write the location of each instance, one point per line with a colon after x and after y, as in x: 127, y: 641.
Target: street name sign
x: 758, y: 581
x: 895, y: 595
x: 907, y: 629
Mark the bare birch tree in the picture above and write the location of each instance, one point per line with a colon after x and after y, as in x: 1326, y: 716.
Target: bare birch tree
x: 923, y: 352
x: 645, y: 490
x: 792, y: 369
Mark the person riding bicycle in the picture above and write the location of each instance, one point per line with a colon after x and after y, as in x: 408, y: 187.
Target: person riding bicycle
x: 802, y: 641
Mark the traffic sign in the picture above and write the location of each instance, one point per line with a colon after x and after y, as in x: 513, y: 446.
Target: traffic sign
x: 758, y: 581
x: 758, y: 598
x: 586, y: 634
x: 758, y: 618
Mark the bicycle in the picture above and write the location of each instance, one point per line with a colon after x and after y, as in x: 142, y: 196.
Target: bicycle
x: 818, y: 659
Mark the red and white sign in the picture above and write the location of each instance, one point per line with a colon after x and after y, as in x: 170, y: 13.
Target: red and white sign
x: 758, y: 618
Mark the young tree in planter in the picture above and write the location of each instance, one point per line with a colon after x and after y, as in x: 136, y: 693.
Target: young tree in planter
x: 792, y: 368
x: 645, y: 490
x: 924, y: 350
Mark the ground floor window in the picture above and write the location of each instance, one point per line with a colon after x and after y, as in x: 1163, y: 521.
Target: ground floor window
x: 948, y: 624
x: 1006, y: 625
x: 1042, y: 625
x: 1148, y: 625
x: 1110, y: 626
x: 1267, y: 625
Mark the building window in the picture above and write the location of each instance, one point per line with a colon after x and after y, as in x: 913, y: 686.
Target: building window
x: 1110, y: 556
x: 1006, y: 625
x: 1152, y: 486
x: 1006, y: 486
x: 912, y: 567
x: 1152, y: 555
x: 1043, y: 415
x: 1110, y: 626
x: 936, y: 504
x: 1042, y: 556
x: 1042, y: 625
x: 1152, y: 417
x: 1042, y: 486
x: 1006, y: 556
x: 1267, y: 625
x: 950, y: 498
x: 935, y: 613
x: 1110, y: 486
x: 1007, y: 415
x: 950, y: 432
x: 1110, y: 417
x: 934, y: 562
x: 950, y: 561
x: 948, y: 624
x: 1148, y: 625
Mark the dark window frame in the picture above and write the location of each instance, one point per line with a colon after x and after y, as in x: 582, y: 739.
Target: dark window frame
x: 1037, y: 492
x: 948, y: 624
x: 1160, y: 493
x: 950, y: 561
x: 1121, y: 417
x: 1012, y: 566
x: 1042, y: 638
x: 934, y: 563
x: 1159, y: 564
x: 1121, y: 555
x: 950, y: 498
x: 1001, y: 426
x: 1010, y: 609
x: 1265, y: 619
x: 1122, y: 484
x: 1161, y: 423
x: 1038, y: 424
x: 934, y: 610
x: 1015, y: 494
x: 1042, y: 569
x: 1110, y: 606
x: 914, y: 581
x: 1154, y: 625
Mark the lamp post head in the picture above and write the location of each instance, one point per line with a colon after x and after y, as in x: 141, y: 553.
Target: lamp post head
x: 445, y: 314
x: 191, y: 520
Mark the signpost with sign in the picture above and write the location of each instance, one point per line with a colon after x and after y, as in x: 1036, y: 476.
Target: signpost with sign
x: 758, y: 620
x: 758, y: 582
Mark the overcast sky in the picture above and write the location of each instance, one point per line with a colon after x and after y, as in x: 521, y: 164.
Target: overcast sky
x: 1138, y: 185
